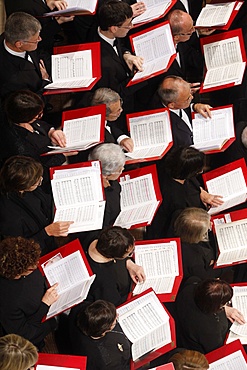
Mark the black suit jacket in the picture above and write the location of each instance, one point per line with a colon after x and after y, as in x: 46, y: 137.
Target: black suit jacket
x: 18, y: 73
x: 36, y: 8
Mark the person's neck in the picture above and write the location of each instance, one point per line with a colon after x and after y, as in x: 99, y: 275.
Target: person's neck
x: 27, y: 126
x: 180, y: 181
x: 107, y: 33
x: 13, y: 47
x: 95, y: 255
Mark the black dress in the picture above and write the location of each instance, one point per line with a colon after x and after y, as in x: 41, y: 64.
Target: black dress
x: 21, y: 308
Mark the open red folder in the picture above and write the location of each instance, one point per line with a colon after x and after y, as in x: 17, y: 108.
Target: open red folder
x: 69, y: 65
x: 216, y: 134
x: 69, y: 273
x: 215, y: 16
x: 151, y: 14
x: 151, y: 133
x: 140, y: 307
x: 64, y: 361
x: 225, y: 60
x: 229, y: 354
x: 162, y: 263
x: 156, y: 46
x: 140, y: 197
x: 83, y: 128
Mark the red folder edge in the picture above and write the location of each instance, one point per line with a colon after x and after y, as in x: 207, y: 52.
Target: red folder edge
x: 96, y: 65
x: 226, y: 350
x: 144, y: 113
x: 168, y: 297
x: 160, y: 351
x: 62, y: 361
x: 172, y: 58
x: 218, y: 37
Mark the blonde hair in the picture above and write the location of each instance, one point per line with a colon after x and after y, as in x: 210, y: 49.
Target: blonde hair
x: 189, y: 360
x: 192, y: 225
x: 17, y: 353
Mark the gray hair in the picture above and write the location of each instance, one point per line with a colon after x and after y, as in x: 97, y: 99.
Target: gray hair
x: 110, y: 155
x: 106, y: 96
x: 244, y: 136
x: 168, y: 90
x: 20, y: 26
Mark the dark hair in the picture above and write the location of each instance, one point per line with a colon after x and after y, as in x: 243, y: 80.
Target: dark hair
x: 113, y: 13
x: 212, y: 294
x: 97, y: 318
x: 23, y: 106
x: 20, y: 26
x: 189, y: 360
x: 17, y: 353
x: 114, y: 242
x: 17, y: 254
x: 19, y: 173
x: 184, y: 162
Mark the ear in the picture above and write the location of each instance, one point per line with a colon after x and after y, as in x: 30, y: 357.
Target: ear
x: 171, y: 105
x: 176, y: 39
x: 18, y: 44
x: 113, y: 29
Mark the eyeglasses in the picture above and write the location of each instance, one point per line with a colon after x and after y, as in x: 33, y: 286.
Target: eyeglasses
x: 130, y: 25
x: 32, y: 42
x: 187, y: 33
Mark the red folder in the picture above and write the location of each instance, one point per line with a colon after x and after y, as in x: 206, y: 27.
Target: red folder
x: 74, y: 362
x: 160, y: 351
x: 65, y: 250
x: 233, y: 15
x: 71, y: 11
x: 96, y: 65
x: 140, y: 172
x: 145, y: 113
x: 228, y: 142
x: 172, y: 57
x: 226, y: 350
x: 168, y: 297
x: 218, y: 37
x: 173, y: 2
x: 165, y: 367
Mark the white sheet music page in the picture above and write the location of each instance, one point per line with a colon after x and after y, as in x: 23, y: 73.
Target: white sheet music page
x: 151, y: 134
x: 239, y: 301
x: 215, y: 14
x: 232, y: 242
x: 138, y: 201
x: 156, y: 47
x: 212, y: 133
x: 234, y: 361
x: 145, y: 323
x: 224, y: 62
x: 72, y: 70
x: 154, y: 9
x: 231, y: 186
x: 160, y: 263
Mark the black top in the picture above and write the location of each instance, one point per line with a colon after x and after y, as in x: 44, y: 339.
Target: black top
x: 112, y: 282
x: 27, y: 216
x: 21, y: 309
x: 197, y: 330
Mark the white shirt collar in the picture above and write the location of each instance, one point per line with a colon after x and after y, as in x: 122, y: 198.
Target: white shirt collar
x: 107, y: 39
x: 20, y: 54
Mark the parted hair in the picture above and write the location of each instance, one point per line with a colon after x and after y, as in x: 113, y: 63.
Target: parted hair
x: 96, y: 318
x: 113, y: 13
x: 110, y: 155
x: 114, y: 242
x: 23, y: 106
x: 184, y: 162
x: 19, y: 173
x: 212, y: 294
x: 105, y: 95
x: 17, y: 353
x: 17, y: 254
x: 192, y: 225
x: 20, y: 26
x: 189, y: 360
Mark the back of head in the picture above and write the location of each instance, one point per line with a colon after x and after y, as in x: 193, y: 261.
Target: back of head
x: 17, y: 255
x: 106, y: 96
x: 20, y: 26
x: 192, y: 225
x: 96, y: 318
x: 17, y: 353
x: 184, y: 162
x: 168, y: 90
x: 176, y: 19
x: 113, y: 13
x: 23, y: 106
x: 244, y: 134
x: 19, y: 173
x: 212, y: 294
x: 110, y: 155
x: 189, y: 360
x: 114, y: 242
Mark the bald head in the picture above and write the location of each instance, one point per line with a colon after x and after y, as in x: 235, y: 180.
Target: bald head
x: 175, y: 91
x: 181, y: 25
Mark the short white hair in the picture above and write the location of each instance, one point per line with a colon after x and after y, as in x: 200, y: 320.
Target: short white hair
x: 110, y: 155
